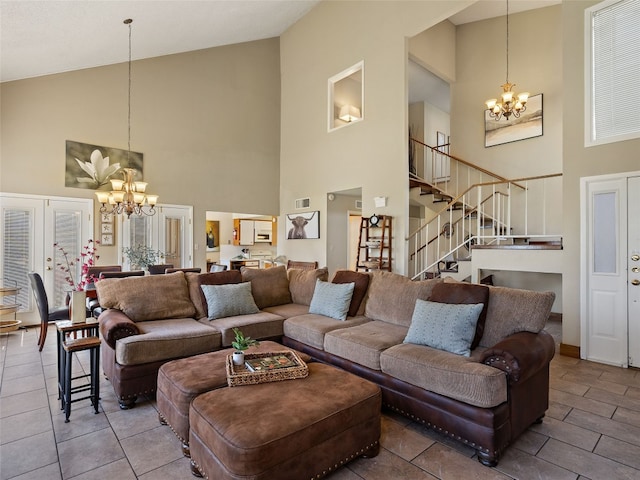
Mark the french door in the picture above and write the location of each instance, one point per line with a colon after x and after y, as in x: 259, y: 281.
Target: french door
x: 170, y: 232
x: 30, y: 227
x: 610, y: 250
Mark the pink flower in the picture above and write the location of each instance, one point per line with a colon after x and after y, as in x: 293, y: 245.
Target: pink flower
x: 87, y: 259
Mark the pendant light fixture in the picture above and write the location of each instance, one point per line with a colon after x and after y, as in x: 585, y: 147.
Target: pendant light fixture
x: 128, y: 196
x: 511, y: 103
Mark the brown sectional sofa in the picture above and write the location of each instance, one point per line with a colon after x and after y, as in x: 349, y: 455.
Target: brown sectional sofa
x: 485, y: 400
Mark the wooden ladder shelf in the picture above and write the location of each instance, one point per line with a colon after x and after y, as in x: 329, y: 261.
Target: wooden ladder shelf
x: 374, y: 245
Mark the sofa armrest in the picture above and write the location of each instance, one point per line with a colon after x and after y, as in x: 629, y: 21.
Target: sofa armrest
x: 115, y: 325
x: 521, y: 355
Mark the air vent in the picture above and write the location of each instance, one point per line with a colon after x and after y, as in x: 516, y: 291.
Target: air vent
x: 303, y: 203
x: 359, y: 204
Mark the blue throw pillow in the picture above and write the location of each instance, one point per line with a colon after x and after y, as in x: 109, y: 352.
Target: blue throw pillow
x: 229, y: 300
x: 445, y: 326
x: 332, y: 299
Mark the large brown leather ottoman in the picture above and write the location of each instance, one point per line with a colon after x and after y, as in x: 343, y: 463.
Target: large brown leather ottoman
x: 180, y: 381
x: 293, y: 429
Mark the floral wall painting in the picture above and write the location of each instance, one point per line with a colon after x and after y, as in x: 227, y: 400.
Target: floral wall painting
x: 92, y: 166
x: 529, y: 125
x: 301, y: 226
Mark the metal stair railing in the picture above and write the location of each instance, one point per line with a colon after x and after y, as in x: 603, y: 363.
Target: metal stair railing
x: 467, y: 217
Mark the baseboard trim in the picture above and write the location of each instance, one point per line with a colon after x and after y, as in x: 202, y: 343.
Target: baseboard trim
x: 569, y: 350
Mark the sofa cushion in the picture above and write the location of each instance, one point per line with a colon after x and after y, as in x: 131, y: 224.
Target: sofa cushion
x: 229, y: 300
x: 363, y: 343
x: 310, y: 329
x: 445, y: 326
x: 261, y: 325
x: 152, y: 297
x: 288, y: 310
x: 302, y: 283
x: 269, y: 286
x: 513, y: 310
x: 332, y: 299
x: 361, y: 281
x: 166, y: 340
x: 196, y: 280
x: 463, y: 292
x: 462, y: 378
x: 392, y: 297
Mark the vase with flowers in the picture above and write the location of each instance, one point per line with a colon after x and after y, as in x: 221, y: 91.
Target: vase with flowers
x: 77, y: 294
x: 141, y: 256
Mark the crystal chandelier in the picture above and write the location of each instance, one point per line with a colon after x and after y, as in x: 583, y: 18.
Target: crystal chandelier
x: 512, y: 104
x: 128, y: 196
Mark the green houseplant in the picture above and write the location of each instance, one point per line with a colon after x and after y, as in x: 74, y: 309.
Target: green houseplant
x: 141, y: 256
x: 241, y: 343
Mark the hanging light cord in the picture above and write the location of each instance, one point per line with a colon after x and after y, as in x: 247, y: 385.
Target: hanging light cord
x: 128, y: 22
x: 507, y: 41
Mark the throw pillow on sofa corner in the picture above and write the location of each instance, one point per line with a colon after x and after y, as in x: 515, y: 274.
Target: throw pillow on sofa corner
x: 332, y: 299
x: 229, y: 300
x: 445, y: 326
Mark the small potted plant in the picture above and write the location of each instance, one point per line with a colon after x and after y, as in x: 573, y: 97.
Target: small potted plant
x: 241, y: 343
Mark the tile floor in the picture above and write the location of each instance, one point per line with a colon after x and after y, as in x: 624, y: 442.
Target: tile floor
x: 591, y: 431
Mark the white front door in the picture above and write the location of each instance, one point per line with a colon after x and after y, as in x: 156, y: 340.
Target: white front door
x: 610, y: 323
x: 633, y: 266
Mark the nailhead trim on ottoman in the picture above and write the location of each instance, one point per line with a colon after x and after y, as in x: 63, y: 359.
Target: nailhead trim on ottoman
x: 294, y: 429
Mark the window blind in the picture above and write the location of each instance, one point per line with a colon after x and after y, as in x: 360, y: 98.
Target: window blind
x: 615, y: 71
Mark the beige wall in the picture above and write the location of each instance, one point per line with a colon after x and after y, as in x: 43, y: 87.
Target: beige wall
x: 580, y: 161
x: 435, y: 50
x: 371, y: 154
x: 207, y: 122
x: 535, y: 65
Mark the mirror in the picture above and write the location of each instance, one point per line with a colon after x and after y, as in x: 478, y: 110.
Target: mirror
x: 346, y: 97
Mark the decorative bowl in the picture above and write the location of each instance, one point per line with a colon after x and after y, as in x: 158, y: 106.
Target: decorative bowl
x: 371, y: 263
x: 373, y: 243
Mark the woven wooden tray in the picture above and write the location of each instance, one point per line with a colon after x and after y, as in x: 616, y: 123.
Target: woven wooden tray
x: 239, y: 374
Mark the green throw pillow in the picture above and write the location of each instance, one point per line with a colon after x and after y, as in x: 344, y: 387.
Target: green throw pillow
x: 445, y: 326
x: 229, y: 300
x: 332, y: 299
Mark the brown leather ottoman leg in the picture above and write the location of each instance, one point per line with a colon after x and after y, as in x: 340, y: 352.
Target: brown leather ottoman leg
x: 294, y: 429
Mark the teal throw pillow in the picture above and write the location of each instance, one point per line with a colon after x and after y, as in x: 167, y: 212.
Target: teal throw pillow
x: 332, y: 299
x: 229, y: 300
x: 445, y: 326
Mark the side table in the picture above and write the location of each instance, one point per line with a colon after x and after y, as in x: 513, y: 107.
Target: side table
x: 88, y: 339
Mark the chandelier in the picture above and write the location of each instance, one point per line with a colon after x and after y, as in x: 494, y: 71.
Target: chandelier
x: 512, y: 104
x: 128, y: 196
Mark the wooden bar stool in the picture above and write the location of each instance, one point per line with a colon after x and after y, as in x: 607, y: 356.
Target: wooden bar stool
x: 69, y: 347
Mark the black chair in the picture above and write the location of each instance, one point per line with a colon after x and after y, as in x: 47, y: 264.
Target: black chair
x: 217, y: 268
x: 131, y: 273
x: 46, y: 316
x: 185, y: 270
x: 159, y: 269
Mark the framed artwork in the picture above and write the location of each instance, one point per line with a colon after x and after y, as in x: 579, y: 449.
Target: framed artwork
x: 213, y: 235
x: 529, y: 125
x: 303, y: 226
x: 107, y: 229
x: 92, y: 166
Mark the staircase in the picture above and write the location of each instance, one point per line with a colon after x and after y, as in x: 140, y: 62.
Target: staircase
x: 472, y: 208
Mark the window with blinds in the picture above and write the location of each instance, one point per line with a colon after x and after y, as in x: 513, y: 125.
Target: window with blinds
x: 17, y: 252
x: 612, y: 73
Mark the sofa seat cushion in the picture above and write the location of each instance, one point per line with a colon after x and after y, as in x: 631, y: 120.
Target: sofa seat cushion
x: 256, y: 325
x: 310, y: 329
x: 454, y: 376
x: 363, y: 343
x: 166, y: 340
x: 392, y: 297
x: 288, y: 310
